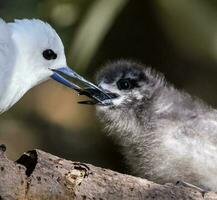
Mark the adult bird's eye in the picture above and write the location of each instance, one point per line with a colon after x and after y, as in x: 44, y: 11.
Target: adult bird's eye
x: 49, y: 54
x: 124, y: 84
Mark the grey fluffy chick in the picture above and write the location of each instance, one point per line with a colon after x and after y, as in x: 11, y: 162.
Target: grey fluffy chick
x: 165, y: 134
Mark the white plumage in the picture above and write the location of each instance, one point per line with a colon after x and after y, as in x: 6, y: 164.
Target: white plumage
x: 31, y: 52
x: 21, y: 63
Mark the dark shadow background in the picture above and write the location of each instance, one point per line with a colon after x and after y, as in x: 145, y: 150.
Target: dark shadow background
x: 177, y: 38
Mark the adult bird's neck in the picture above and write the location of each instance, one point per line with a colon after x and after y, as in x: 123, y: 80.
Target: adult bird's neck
x: 11, y: 90
x: 15, y: 82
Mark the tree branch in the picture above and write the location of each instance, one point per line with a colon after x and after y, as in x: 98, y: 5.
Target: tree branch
x: 40, y: 175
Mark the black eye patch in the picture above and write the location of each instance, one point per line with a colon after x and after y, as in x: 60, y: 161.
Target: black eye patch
x: 49, y: 54
x: 127, y: 84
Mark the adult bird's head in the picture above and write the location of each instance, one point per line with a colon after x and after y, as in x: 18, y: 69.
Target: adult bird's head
x: 40, y: 52
x: 32, y: 52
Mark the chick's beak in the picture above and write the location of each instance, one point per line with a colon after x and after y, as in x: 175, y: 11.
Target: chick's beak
x: 99, y: 98
x: 92, y: 91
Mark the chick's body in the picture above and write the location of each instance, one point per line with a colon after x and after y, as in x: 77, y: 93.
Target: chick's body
x: 165, y: 134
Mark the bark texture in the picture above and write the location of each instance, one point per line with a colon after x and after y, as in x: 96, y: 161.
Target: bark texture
x: 40, y: 175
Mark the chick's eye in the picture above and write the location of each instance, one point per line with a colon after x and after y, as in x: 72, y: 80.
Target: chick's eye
x: 49, y: 54
x: 124, y: 84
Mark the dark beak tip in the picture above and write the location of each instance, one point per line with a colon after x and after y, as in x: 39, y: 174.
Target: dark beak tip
x: 98, y: 97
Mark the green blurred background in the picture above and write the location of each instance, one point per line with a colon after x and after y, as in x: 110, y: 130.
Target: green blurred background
x: 177, y: 37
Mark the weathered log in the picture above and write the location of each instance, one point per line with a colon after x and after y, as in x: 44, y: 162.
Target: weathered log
x: 40, y: 175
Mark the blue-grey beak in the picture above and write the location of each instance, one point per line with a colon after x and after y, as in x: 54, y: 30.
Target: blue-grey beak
x: 69, y: 72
